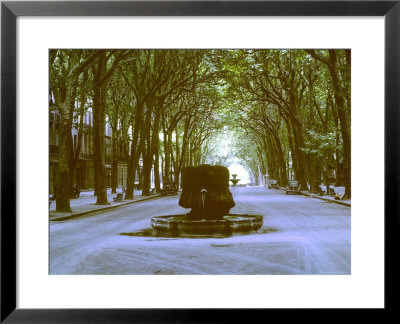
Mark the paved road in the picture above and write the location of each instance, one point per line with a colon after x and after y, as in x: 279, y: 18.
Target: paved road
x: 300, y: 235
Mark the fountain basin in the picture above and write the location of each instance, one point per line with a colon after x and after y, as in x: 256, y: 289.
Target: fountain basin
x: 182, y: 225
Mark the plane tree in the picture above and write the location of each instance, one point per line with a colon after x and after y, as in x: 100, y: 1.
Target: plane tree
x: 65, y: 68
x: 103, y: 68
x: 166, y: 108
x: 338, y: 63
x: 119, y: 112
x: 289, y: 99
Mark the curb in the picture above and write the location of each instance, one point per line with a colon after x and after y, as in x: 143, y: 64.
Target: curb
x: 326, y: 199
x: 79, y: 214
x: 322, y: 198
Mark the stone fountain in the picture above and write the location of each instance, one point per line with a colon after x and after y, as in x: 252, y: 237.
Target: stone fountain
x: 234, y: 180
x: 205, y: 189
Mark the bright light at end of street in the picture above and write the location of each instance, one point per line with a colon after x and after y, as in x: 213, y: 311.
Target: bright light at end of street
x: 241, y: 172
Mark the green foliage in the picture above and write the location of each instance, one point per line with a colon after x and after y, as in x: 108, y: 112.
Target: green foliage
x: 266, y: 107
x: 321, y: 144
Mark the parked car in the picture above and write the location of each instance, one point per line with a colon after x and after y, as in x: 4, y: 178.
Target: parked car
x: 293, y: 186
x: 273, y: 184
x: 169, y: 188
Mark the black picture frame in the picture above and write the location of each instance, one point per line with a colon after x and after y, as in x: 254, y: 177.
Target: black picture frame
x: 10, y: 10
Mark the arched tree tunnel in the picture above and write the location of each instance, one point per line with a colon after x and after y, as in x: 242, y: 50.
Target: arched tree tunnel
x: 281, y: 114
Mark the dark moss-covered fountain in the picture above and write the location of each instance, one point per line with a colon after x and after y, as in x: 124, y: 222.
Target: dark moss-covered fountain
x: 205, y: 189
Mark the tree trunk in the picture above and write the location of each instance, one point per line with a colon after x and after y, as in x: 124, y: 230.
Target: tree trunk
x: 98, y: 129
x: 167, y: 150
x: 340, y: 96
x: 177, y: 157
x: 155, y: 146
x: 344, y: 125
x: 147, y: 160
x: 292, y: 149
x: 315, y: 176
x: 114, y: 165
x: 339, y: 171
x: 130, y: 179
x: 282, y: 164
x: 62, y: 178
x: 63, y: 170
x: 298, y: 139
x: 134, y: 156
x: 70, y: 145
x: 75, y: 146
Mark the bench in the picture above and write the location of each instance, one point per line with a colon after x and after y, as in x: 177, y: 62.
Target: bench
x: 51, y: 197
x: 330, y: 191
x: 118, y: 197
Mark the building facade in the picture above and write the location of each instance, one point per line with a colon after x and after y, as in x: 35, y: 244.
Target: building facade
x: 84, y: 170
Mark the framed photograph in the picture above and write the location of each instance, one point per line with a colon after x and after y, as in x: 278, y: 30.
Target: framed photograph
x: 239, y: 157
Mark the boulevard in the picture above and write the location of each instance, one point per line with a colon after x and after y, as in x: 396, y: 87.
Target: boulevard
x: 300, y: 235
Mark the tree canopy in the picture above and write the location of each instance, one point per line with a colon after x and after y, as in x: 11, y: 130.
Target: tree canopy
x: 284, y: 113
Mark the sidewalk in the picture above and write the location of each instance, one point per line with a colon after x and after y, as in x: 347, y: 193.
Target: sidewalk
x: 328, y: 198
x: 86, y: 203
